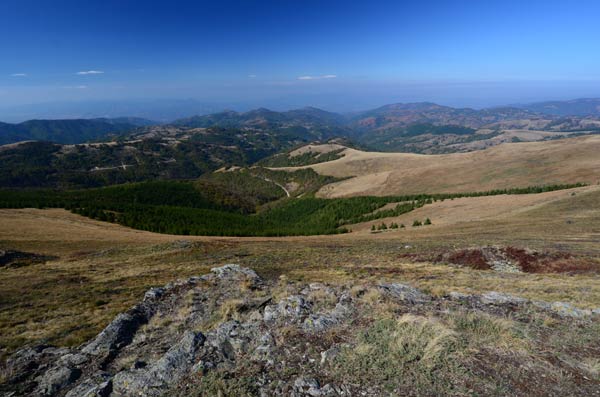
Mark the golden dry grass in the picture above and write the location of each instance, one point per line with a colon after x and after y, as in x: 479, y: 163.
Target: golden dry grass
x: 504, y: 166
x: 324, y: 148
x: 474, y: 209
x: 103, y: 268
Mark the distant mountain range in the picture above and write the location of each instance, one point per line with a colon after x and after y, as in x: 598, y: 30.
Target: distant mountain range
x: 397, y: 115
x: 134, y: 149
x: 389, y: 127
x: 576, y: 107
x: 68, y: 131
x: 161, y: 110
x: 305, y: 121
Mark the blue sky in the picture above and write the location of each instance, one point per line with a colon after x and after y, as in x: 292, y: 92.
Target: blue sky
x: 342, y: 55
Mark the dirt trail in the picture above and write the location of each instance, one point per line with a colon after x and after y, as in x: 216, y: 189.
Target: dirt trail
x: 278, y: 184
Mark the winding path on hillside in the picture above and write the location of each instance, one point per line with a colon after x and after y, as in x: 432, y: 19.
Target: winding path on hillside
x: 278, y: 184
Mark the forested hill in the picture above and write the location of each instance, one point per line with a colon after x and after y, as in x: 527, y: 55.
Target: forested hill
x: 155, y: 153
x: 311, y: 121
x: 220, y: 207
x: 66, y: 131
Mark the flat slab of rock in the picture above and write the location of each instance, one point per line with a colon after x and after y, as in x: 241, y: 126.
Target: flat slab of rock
x: 499, y: 298
x: 403, y: 292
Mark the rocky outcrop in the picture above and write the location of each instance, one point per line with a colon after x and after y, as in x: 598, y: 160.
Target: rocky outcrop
x: 403, y: 293
x: 156, y: 379
x: 190, y: 336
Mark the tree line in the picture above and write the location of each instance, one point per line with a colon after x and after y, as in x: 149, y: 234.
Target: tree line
x: 182, y: 208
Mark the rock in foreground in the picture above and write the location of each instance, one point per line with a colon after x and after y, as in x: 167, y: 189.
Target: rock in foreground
x: 231, y: 333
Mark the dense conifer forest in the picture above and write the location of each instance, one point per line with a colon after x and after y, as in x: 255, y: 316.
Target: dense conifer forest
x: 228, y: 207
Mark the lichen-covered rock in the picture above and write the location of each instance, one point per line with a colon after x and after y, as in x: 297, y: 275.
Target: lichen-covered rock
x: 154, y: 293
x: 235, y: 272
x: 57, y: 378
x: 329, y: 354
x: 22, y: 363
x: 232, y: 338
x: 156, y: 379
x: 403, y: 292
x: 204, y: 334
x: 459, y: 296
x: 97, y: 385
x: 564, y: 309
x: 73, y: 359
x: 323, y: 321
x: 498, y: 298
x: 291, y: 308
x: 117, y: 334
x: 306, y: 386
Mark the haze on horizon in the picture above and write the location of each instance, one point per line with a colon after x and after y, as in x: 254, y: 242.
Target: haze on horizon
x: 341, y: 56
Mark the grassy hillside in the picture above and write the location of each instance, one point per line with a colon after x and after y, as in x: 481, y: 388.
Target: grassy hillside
x: 103, y: 269
x: 503, y: 166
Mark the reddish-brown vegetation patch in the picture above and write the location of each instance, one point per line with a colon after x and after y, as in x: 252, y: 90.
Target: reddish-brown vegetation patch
x: 555, y: 262
x: 528, y: 261
x: 471, y: 258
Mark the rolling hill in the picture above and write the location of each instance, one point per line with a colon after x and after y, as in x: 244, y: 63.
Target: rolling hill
x: 67, y: 131
x: 160, y: 152
x: 503, y: 166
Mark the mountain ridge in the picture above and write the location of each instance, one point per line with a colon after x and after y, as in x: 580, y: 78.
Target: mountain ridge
x: 67, y: 131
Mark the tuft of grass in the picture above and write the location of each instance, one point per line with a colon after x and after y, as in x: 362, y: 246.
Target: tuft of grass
x: 592, y: 366
x: 230, y: 309
x: 412, y: 352
x: 221, y: 384
x: 481, y: 329
x: 322, y: 299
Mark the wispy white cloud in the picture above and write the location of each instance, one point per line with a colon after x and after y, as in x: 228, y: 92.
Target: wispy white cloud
x: 19, y: 75
x: 251, y: 76
x: 325, y: 76
x: 86, y: 72
x: 76, y: 87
